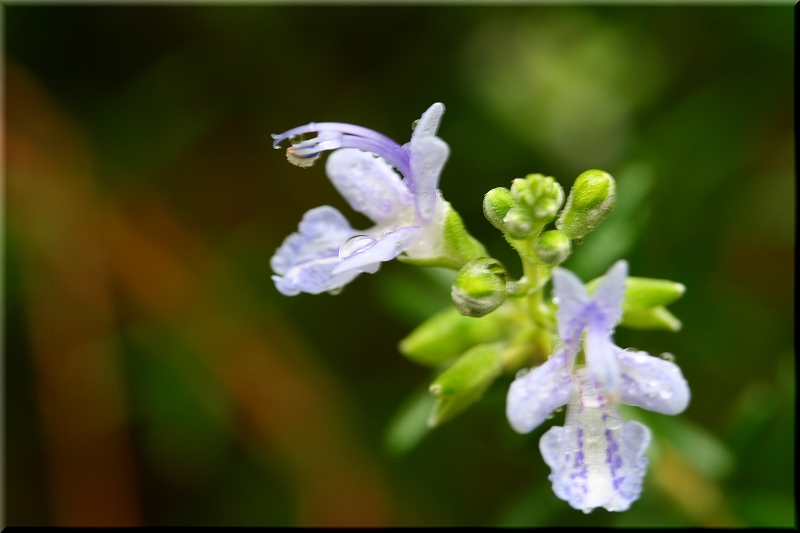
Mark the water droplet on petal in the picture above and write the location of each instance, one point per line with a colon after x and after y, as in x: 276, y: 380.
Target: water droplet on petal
x: 355, y: 245
x: 579, y: 240
x: 556, y: 300
x: 666, y: 356
x: 336, y: 291
x: 296, y: 139
x: 521, y: 372
x: 387, y: 231
x: 414, y: 125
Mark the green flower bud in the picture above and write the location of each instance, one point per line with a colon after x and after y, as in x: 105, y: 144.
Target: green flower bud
x: 496, y: 205
x: 540, y: 195
x: 552, y: 247
x: 645, y: 298
x: 479, y: 287
x: 648, y: 293
x: 518, y: 222
x: 651, y: 318
x: 447, y: 334
x: 464, y: 382
x: 590, y: 201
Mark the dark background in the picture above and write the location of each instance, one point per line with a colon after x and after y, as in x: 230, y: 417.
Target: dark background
x: 155, y: 376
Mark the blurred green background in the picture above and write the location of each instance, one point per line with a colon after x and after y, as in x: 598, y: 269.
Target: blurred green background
x: 155, y: 376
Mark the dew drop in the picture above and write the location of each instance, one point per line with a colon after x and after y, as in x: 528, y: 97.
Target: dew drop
x: 556, y: 300
x: 578, y: 241
x: 387, y: 231
x: 337, y: 290
x: 666, y: 356
x: 521, y: 372
x: 414, y: 125
x: 355, y: 245
x: 296, y: 139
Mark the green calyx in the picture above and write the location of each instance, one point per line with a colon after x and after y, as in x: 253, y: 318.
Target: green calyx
x: 457, y: 245
x: 590, y: 201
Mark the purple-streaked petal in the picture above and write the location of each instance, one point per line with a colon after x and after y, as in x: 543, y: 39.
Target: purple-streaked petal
x: 368, y: 183
x: 388, y: 247
x: 428, y: 123
x: 596, y: 459
x: 321, y: 232
x: 610, y: 292
x: 651, y: 383
x: 532, y: 397
x: 601, y: 360
x: 313, y: 277
x: 427, y: 156
x: 572, y: 300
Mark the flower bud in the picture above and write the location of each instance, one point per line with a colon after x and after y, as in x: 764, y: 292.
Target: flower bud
x: 518, y: 222
x: 590, y: 201
x: 650, y: 318
x: 496, y: 205
x: 648, y: 293
x: 553, y: 247
x: 541, y: 196
x: 448, y: 333
x: 479, y: 287
x: 464, y: 382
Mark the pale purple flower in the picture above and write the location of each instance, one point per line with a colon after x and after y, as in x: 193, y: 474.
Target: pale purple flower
x: 597, y: 460
x: 327, y: 253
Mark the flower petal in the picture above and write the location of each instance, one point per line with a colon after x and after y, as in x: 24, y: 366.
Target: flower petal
x: 532, y: 397
x: 427, y: 156
x: 313, y: 277
x: 368, y: 183
x: 321, y: 232
x: 601, y: 360
x: 429, y: 121
x: 596, y: 459
x: 389, y: 247
x: 572, y: 300
x: 610, y: 292
x: 651, y: 382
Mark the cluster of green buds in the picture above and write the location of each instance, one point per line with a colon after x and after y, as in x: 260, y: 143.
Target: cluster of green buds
x: 501, y: 325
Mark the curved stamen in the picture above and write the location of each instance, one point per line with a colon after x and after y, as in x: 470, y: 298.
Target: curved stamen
x: 354, y: 137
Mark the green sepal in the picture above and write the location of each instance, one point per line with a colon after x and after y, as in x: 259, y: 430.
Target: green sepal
x: 458, y: 246
x: 464, y: 382
x: 479, y: 287
x: 496, y: 205
x: 447, y: 334
x: 590, y: 201
x: 652, y: 318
